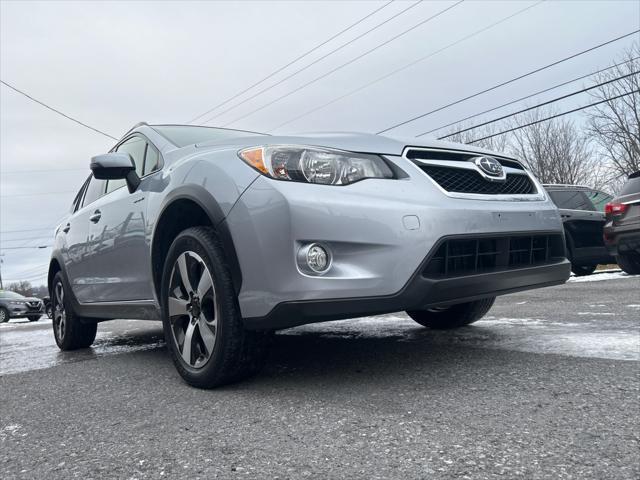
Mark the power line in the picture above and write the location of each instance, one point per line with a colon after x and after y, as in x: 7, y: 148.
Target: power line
x: 548, y: 102
x: 56, y: 111
x: 308, y: 52
x: 539, y: 92
x: 554, y: 116
x: 260, y: 92
x: 324, y: 75
x: 502, y: 84
x: 406, y: 66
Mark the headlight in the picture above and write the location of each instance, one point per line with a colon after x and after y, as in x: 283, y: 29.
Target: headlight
x: 16, y: 303
x: 314, y: 164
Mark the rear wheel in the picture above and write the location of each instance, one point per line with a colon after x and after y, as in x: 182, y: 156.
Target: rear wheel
x: 34, y: 318
x: 4, y: 315
x: 201, y: 317
x: 454, y: 316
x: 70, y: 331
x: 629, y: 263
x: 583, y: 270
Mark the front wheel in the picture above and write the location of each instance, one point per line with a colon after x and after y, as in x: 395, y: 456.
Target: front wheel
x: 34, y: 318
x: 201, y: 317
x: 583, y: 270
x: 4, y: 315
x: 49, y: 311
x: 69, y: 330
x: 629, y: 263
x: 454, y: 316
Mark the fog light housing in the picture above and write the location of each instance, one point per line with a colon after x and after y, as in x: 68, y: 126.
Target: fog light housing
x: 314, y: 259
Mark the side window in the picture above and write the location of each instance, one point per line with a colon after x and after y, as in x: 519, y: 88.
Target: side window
x: 599, y: 199
x: 135, y: 147
x: 76, y: 201
x: 152, y: 160
x: 94, y: 191
x: 571, y: 199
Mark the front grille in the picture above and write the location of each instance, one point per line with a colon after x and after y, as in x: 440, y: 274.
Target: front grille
x: 33, y: 305
x: 463, y: 180
x: 416, y: 153
x: 471, y: 255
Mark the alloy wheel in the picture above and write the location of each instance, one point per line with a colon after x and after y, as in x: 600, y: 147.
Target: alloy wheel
x: 193, y: 309
x: 59, y: 313
x: 3, y: 316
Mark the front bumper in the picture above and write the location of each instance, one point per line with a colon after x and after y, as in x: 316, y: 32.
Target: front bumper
x: 379, y: 233
x: 23, y: 311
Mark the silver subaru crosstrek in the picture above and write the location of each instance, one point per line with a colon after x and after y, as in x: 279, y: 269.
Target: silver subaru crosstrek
x: 229, y: 235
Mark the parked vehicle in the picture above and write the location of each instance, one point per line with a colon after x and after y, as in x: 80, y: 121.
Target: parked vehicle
x: 14, y: 305
x: 228, y: 235
x: 47, y: 306
x: 622, y: 230
x: 582, y: 212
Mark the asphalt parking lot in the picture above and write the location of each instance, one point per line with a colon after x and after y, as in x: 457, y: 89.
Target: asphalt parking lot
x: 547, y: 386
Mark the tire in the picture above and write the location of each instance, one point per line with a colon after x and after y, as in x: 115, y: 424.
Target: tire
x: 70, y: 331
x: 200, y: 311
x: 455, y: 316
x: 629, y: 263
x: 4, y: 315
x: 34, y: 318
x: 583, y: 270
x: 49, y: 311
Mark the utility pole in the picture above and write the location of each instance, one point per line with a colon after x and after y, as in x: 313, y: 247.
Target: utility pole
x: 1, y: 261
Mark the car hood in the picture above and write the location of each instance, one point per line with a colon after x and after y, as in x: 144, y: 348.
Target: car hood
x: 350, y: 141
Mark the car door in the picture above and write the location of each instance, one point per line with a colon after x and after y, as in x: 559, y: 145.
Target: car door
x: 581, y: 220
x: 78, y: 243
x: 120, y: 252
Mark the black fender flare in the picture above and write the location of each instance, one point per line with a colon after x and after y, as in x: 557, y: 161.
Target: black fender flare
x: 205, y: 200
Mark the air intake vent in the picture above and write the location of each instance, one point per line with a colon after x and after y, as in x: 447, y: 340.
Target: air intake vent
x: 463, y: 180
x: 467, y: 256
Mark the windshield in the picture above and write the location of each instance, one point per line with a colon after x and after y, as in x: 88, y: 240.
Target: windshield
x: 183, y: 135
x: 8, y: 294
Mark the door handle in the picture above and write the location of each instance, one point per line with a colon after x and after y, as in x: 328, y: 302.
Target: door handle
x: 95, y: 218
x: 67, y: 228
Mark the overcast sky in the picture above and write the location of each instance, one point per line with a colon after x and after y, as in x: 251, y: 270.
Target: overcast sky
x: 112, y: 64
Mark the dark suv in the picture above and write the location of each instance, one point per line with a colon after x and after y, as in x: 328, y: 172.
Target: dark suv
x: 582, y: 212
x: 622, y: 230
x: 14, y: 305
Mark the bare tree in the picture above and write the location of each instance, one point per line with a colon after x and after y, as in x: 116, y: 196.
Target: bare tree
x: 23, y: 288
x: 556, y: 151
x: 498, y: 143
x: 615, y: 124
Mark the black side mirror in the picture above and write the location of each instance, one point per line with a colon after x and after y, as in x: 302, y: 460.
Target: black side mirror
x: 114, y: 166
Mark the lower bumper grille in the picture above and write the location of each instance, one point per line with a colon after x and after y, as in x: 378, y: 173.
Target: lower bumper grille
x: 463, y: 180
x: 467, y: 256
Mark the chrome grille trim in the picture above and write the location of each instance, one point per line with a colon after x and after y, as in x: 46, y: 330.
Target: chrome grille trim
x: 516, y: 169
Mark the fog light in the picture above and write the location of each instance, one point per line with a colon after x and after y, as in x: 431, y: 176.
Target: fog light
x: 314, y: 259
x: 317, y: 258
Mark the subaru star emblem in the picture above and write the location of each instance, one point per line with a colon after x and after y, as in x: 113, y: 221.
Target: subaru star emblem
x: 489, y: 166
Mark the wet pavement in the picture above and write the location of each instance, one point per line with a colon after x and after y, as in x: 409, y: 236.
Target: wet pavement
x: 546, y: 386
x: 574, y: 322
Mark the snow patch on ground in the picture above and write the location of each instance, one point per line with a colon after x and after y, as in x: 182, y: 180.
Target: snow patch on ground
x: 533, y: 335
x: 598, y: 277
